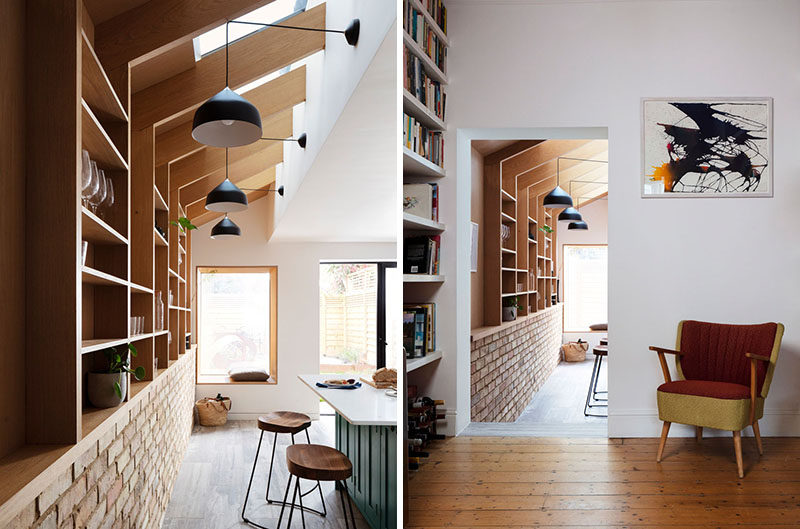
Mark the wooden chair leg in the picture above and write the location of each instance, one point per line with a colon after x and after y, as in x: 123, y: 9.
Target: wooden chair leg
x: 698, y: 433
x: 664, y: 432
x: 737, y: 447
x: 757, y: 434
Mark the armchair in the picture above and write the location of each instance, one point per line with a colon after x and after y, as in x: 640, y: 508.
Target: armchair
x: 724, y: 374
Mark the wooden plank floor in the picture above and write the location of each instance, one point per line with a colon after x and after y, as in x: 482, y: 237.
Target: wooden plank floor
x: 213, y: 478
x: 550, y: 482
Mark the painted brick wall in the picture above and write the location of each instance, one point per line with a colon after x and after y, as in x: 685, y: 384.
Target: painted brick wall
x: 124, y: 480
x: 509, y: 366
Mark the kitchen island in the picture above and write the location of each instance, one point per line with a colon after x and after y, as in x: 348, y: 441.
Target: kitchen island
x: 366, y: 431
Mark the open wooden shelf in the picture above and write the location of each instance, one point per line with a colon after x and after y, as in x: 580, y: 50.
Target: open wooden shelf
x: 177, y: 276
x: 95, y: 230
x: 431, y: 69
x: 507, y: 219
x: 161, y: 332
x: 506, y: 196
x: 139, y: 337
x: 415, y: 363
x: 96, y: 277
x: 160, y: 240
x: 422, y: 278
x: 416, y: 223
x: 97, y: 89
x: 89, y: 346
x: 416, y: 165
x: 139, y: 289
x: 175, y: 307
x: 414, y: 107
x: 160, y: 203
x: 96, y: 141
x: 431, y: 22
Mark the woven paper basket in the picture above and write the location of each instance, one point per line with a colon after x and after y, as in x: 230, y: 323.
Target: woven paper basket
x: 575, y: 351
x: 213, y: 412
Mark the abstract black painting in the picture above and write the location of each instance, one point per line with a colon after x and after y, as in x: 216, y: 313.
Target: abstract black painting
x: 707, y: 147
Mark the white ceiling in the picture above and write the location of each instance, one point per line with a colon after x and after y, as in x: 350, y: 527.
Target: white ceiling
x: 350, y: 192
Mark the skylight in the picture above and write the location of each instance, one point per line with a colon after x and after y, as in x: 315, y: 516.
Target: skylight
x: 214, y: 39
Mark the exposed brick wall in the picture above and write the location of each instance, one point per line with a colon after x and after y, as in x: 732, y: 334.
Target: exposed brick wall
x: 125, y: 478
x: 509, y: 366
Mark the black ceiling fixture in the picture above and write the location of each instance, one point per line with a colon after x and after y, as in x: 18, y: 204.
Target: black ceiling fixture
x: 569, y: 213
x: 225, y: 229
x: 578, y: 225
x: 228, y: 119
x: 301, y: 140
x: 226, y: 197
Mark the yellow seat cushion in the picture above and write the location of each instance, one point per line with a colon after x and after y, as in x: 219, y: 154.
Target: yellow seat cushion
x: 709, y: 412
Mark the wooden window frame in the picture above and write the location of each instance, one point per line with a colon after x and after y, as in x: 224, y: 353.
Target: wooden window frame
x: 564, y: 287
x: 273, y: 323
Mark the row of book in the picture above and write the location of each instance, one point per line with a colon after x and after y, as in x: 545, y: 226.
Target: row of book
x: 419, y: 329
x: 437, y: 11
x: 421, y: 33
x: 421, y: 254
x: 426, y: 90
x: 421, y: 200
x: 427, y: 143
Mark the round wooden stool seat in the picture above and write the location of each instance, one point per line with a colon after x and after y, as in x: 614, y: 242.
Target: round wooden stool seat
x: 604, y: 341
x: 600, y: 350
x: 284, y: 422
x: 318, y: 462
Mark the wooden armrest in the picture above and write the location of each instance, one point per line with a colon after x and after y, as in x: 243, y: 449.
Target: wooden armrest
x: 663, y: 360
x: 753, y: 375
x: 667, y: 351
x: 757, y: 357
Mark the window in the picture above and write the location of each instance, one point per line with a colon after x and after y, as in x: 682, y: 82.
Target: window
x: 585, y: 286
x: 237, y: 320
x: 355, y: 301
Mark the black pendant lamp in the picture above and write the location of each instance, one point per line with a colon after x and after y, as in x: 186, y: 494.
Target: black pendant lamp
x: 570, y: 213
x: 228, y: 119
x: 226, y: 197
x: 557, y: 198
x: 225, y: 229
x: 579, y: 225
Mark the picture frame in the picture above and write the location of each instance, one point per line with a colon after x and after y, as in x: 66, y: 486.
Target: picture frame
x: 682, y: 155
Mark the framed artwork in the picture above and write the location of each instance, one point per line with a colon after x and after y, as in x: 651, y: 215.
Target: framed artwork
x: 710, y: 147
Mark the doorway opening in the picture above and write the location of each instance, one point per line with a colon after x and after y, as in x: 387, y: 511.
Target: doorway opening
x: 357, y: 301
x: 539, y: 286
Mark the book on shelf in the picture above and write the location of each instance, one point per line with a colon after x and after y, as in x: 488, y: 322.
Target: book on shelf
x: 427, y: 143
x: 422, y: 33
x: 421, y: 200
x: 436, y: 10
x: 423, y: 88
x: 421, y: 255
x: 419, y: 329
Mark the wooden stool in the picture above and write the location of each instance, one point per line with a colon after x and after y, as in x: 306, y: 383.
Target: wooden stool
x: 591, y: 395
x: 320, y: 463
x: 281, y: 422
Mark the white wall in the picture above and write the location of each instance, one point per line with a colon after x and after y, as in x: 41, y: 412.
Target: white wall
x: 596, y: 216
x: 298, y: 305
x: 588, y: 64
x: 331, y: 78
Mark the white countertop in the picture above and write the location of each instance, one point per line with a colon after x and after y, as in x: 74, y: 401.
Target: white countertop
x: 363, y: 406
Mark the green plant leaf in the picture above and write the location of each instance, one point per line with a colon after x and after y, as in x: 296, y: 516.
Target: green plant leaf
x: 132, y: 349
x: 139, y: 373
x: 184, y: 224
x: 117, y: 389
x: 117, y: 358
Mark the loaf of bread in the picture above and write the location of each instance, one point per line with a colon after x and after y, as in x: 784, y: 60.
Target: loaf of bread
x: 385, y: 375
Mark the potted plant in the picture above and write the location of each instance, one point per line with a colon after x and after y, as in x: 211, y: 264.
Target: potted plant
x: 510, y: 305
x: 107, y: 388
x: 184, y: 224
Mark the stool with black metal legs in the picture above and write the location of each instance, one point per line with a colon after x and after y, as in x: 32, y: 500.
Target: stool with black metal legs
x: 317, y: 463
x: 281, y: 422
x: 591, y: 394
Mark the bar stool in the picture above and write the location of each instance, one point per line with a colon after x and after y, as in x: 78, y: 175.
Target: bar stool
x: 591, y: 395
x: 604, y: 340
x: 318, y: 463
x: 281, y: 422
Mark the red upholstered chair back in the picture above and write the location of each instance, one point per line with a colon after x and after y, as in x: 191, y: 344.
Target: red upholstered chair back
x: 716, y: 351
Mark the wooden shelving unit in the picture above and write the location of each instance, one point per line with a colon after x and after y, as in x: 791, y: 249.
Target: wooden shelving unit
x: 523, y: 265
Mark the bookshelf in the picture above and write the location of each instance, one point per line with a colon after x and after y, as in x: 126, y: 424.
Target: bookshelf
x: 424, y: 130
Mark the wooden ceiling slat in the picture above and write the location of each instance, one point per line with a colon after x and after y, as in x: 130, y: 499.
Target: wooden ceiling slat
x: 178, y: 59
x: 252, y: 57
x: 237, y: 172
x: 569, y: 168
x: 139, y: 33
x: 276, y: 122
x: 541, y: 153
x: 206, y: 161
